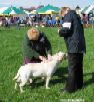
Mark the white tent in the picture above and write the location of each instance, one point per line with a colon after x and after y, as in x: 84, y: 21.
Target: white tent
x: 87, y: 10
x: 2, y: 9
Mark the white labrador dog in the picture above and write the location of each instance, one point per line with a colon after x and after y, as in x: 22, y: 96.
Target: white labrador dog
x: 43, y: 69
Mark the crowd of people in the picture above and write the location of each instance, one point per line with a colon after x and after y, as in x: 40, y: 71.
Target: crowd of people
x: 40, y: 20
x: 46, y: 20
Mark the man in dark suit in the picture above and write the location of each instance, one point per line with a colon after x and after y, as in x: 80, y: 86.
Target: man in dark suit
x: 73, y: 34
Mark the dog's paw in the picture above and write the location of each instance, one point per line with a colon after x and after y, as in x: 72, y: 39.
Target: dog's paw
x: 22, y: 92
x: 31, y: 81
x: 47, y: 88
x: 43, y: 78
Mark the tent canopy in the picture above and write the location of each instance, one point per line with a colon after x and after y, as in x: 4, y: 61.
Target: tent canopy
x: 11, y: 11
x: 49, y: 9
x: 87, y: 10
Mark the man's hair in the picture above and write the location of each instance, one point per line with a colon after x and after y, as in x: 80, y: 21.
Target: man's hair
x: 63, y: 9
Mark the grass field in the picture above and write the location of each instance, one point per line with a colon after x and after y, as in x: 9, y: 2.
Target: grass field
x: 11, y: 59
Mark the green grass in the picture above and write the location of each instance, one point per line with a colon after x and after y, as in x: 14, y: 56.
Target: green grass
x: 11, y: 60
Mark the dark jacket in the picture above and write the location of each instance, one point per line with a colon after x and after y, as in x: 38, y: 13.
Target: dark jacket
x: 73, y: 33
x: 33, y: 49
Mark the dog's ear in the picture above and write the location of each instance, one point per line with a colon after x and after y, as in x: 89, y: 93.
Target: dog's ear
x: 60, y: 52
x: 56, y: 54
x: 65, y: 56
x: 60, y: 58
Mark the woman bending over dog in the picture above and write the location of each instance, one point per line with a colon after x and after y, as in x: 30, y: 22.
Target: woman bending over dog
x: 36, y: 47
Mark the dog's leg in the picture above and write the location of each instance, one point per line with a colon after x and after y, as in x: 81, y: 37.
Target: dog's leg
x: 47, y: 82
x: 21, y: 89
x: 30, y: 80
x: 16, y: 84
x: 21, y: 86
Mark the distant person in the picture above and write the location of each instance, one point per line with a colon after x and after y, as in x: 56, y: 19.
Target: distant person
x: 73, y: 34
x: 18, y: 22
x: 85, y: 20
x: 57, y: 20
x: 6, y: 22
x: 77, y: 9
x: 36, y: 47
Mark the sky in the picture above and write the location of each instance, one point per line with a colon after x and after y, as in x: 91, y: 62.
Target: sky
x: 58, y: 3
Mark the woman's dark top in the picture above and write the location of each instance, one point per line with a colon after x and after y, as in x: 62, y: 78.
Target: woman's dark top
x: 33, y: 49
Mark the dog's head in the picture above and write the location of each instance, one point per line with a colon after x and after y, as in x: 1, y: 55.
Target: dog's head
x: 60, y: 56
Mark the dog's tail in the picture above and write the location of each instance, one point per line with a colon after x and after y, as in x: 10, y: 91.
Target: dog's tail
x: 17, y: 76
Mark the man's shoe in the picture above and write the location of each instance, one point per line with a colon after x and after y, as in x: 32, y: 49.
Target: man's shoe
x: 63, y: 91
x: 66, y: 91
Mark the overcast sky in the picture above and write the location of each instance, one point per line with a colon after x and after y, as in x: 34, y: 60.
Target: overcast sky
x: 59, y: 3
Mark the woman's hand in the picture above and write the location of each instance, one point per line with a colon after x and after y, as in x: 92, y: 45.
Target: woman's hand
x: 49, y: 57
x: 42, y: 58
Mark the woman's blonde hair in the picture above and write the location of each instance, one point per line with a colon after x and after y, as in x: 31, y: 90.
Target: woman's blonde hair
x: 63, y: 10
x: 33, y: 33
